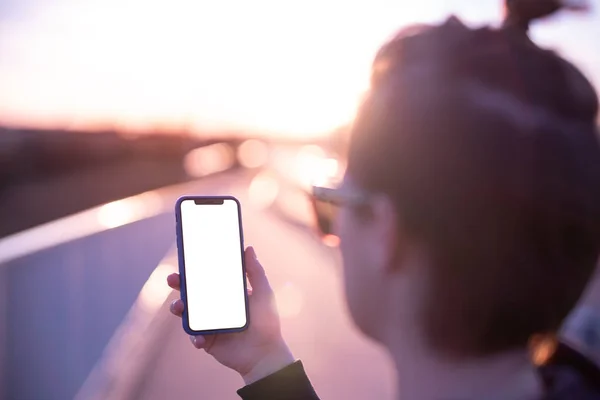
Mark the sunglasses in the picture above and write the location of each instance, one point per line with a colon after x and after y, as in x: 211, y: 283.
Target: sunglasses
x: 326, y: 203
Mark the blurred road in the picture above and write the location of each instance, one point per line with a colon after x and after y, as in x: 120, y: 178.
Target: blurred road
x: 65, y: 304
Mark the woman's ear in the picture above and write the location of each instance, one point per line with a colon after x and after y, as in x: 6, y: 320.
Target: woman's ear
x: 388, y: 240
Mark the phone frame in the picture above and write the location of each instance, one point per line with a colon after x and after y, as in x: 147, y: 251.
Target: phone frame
x: 181, y: 259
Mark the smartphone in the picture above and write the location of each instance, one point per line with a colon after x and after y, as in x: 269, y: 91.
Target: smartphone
x: 210, y: 247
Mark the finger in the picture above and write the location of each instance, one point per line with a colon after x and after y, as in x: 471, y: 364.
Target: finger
x: 249, y: 291
x: 177, y: 307
x: 256, y: 275
x: 198, y: 341
x: 173, y: 281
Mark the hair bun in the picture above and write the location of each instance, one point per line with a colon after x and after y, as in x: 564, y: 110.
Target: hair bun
x: 520, y: 13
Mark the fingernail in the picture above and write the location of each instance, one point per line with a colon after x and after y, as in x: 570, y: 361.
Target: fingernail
x: 193, y: 340
x: 253, y: 252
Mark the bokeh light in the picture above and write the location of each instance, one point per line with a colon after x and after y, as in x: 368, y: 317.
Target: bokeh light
x: 542, y: 348
x: 253, y: 153
x: 209, y: 160
x: 263, y: 190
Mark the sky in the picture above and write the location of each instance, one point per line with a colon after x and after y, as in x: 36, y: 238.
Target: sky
x: 287, y: 67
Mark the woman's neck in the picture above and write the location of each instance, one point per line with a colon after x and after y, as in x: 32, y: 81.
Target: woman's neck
x: 425, y: 376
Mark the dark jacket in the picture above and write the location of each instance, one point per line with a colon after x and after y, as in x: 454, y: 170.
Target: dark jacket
x: 290, y: 383
x: 568, y: 369
x: 567, y: 376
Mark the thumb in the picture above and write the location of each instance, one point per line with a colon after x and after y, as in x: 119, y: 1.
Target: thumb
x: 256, y: 275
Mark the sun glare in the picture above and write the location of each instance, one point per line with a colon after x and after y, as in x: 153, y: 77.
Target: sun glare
x: 314, y: 168
x: 295, y: 69
x: 274, y: 67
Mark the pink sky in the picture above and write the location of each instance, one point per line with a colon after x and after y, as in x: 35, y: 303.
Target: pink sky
x: 287, y: 67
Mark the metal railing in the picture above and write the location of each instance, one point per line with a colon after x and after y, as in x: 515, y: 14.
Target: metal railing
x: 66, y: 287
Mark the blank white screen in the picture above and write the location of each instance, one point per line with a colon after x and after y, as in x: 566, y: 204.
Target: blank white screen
x: 213, y: 265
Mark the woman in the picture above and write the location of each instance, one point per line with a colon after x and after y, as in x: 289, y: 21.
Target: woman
x: 469, y: 218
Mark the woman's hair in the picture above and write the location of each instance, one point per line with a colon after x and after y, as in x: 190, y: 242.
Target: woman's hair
x: 488, y: 145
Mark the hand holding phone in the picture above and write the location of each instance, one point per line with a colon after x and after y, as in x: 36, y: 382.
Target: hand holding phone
x: 258, y: 351
x: 255, y: 352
